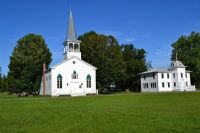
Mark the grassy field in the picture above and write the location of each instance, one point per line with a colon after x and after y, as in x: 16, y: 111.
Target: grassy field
x: 131, y: 113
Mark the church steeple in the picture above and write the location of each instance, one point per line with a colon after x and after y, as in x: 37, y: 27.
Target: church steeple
x: 71, y: 33
x: 71, y: 45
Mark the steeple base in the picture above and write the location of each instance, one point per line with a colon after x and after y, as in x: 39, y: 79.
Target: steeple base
x: 69, y: 55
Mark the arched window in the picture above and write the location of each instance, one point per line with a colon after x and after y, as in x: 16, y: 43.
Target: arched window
x: 71, y: 46
x: 74, y: 75
x: 59, y: 81
x: 88, y: 81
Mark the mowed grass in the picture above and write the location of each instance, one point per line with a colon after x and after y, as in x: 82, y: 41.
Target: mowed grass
x: 131, y: 113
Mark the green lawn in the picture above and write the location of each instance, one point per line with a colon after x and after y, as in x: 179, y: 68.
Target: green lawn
x: 131, y: 113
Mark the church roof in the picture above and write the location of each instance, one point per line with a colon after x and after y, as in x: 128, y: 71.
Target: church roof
x: 73, y: 58
x: 71, y: 33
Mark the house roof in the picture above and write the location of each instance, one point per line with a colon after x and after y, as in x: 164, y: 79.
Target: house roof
x: 159, y: 70
x: 177, y: 64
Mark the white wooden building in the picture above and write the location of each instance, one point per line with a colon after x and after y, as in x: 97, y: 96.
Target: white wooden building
x: 72, y: 76
x: 174, y: 78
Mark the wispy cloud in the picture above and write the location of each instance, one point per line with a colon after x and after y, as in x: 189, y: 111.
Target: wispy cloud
x: 129, y: 40
x: 113, y: 33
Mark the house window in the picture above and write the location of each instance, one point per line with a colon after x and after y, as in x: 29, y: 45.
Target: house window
x: 186, y: 83
x: 168, y: 75
x: 145, y: 85
x: 74, y: 75
x: 162, y: 75
x: 153, y: 85
x: 88, y: 81
x: 181, y: 75
x: 174, y: 75
x: 163, y: 84
x: 168, y: 84
x: 174, y: 84
x: 59, y: 81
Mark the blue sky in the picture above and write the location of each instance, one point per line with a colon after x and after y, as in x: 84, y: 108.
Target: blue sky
x: 150, y: 24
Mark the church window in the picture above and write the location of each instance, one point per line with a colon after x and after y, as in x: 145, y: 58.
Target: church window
x: 74, y: 75
x: 59, y: 81
x: 181, y: 75
x: 88, y: 81
x: 71, y: 46
x: 186, y: 83
x: 76, y: 46
x: 74, y: 62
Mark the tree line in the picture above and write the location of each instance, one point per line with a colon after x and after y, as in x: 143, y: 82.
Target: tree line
x: 118, y: 65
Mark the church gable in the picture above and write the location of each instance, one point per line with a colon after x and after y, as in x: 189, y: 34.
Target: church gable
x: 74, y: 62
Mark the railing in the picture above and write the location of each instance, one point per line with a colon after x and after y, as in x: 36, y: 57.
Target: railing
x: 185, y: 88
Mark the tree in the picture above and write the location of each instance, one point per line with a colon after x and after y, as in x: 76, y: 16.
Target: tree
x: 188, y: 51
x: 0, y: 81
x: 25, y: 68
x: 104, y: 53
x: 117, y: 66
x: 135, y: 64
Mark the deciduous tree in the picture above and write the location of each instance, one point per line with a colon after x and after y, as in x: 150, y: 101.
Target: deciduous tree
x: 26, y: 62
x: 188, y: 51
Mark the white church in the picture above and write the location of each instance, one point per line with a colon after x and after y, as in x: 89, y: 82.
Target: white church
x: 174, y: 78
x: 72, y: 76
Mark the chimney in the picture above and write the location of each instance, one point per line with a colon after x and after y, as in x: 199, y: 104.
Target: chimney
x: 44, y: 80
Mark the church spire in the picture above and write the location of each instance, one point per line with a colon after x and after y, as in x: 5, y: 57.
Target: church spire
x: 71, y: 33
x: 71, y: 44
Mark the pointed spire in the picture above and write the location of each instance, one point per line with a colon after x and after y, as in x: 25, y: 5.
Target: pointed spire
x: 71, y: 33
